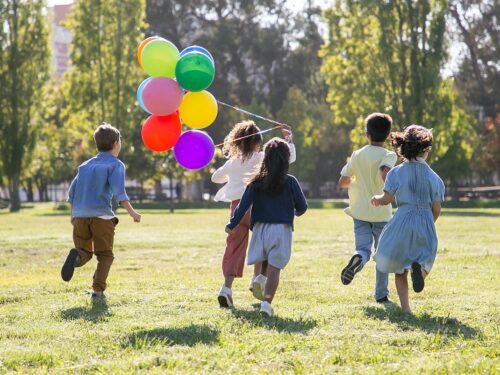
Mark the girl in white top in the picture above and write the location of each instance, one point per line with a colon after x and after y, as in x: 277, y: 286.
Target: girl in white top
x: 242, y: 148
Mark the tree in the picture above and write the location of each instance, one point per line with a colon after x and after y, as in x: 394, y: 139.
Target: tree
x: 387, y: 57
x: 104, y: 76
x: 24, y: 67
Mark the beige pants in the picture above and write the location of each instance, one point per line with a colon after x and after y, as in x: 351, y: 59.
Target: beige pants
x: 95, y: 236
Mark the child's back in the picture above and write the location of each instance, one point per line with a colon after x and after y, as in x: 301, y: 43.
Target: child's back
x: 364, y: 168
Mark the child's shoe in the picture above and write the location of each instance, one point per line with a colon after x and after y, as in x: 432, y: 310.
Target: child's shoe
x: 97, y: 297
x: 69, y: 265
x: 417, y: 278
x: 384, y: 300
x: 353, y: 267
x: 266, y: 309
x: 225, y: 297
x: 259, y: 287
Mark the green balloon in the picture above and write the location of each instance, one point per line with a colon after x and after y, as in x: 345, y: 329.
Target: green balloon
x: 159, y: 58
x: 195, y: 71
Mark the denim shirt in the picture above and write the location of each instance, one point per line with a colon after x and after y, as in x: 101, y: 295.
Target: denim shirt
x: 98, y: 180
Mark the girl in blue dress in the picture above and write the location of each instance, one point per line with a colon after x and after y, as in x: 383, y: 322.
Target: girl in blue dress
x: 409, y: 241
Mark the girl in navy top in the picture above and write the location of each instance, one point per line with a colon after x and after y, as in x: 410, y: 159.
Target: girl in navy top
x: 275, y: 198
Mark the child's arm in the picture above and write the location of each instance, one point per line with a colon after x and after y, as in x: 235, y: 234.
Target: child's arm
x: 286, y: 132
x: 382, y: 199
x: 298, y: 198
x: 116, y: 180
x: 384, y: 170
x: 221, y: 176
x: 135, y: 215
x: 71, y: 195
x: 436, y: 210
x: 239, y: 212
x: 344, y: 182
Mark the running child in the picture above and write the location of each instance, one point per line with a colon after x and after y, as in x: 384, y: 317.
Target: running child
x: 274, y: 197
x: 242, y: 148
x: 409, y: 240
x: 364, y: 175
x: 98, y: 181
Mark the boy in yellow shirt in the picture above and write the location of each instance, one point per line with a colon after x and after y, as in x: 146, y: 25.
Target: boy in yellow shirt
x: 364, y: 175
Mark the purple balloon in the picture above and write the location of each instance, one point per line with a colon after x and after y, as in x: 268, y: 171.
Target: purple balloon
x: 162, y: 96
x: 194, y: 149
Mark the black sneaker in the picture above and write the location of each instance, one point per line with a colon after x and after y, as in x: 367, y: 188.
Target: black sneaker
x: 384, y: 300
x: 416, y: 277
x: 69, y: 265
x: 353, y: 267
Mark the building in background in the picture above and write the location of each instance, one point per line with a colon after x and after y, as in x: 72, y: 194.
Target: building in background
x: 60, y: 39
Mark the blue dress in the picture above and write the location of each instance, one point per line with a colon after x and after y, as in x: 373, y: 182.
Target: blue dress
x: 410, y: 236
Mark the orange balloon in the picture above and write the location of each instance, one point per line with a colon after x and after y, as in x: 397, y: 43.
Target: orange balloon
x: 141, y: 47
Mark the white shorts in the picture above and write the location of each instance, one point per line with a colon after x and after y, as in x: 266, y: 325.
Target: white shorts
x: 271, y: 242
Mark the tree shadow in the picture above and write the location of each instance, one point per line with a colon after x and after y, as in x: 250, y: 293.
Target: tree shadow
x: 97, y: 312
x: 187, y: 336
x: 255, y: 319
x: 425, y: 322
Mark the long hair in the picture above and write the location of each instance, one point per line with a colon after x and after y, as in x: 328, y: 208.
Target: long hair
x: 272, y: 175
x: 412, y: 142
x: 234, y: 147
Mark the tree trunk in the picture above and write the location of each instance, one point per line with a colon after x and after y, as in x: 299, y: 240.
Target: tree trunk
x: 158, y: 190
x: 15, y: 200
x: 29, y: 190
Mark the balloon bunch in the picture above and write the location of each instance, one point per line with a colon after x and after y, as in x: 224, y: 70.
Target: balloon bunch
x: 176, y: 93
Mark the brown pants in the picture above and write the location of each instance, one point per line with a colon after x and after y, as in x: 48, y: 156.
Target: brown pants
x: 236, y: 246
x: 95, y: 236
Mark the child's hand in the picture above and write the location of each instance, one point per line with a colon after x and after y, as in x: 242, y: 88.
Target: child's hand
x: 286, y: 132
x: 136, y: 216
x: 374, y: 201
x: 228, y: 230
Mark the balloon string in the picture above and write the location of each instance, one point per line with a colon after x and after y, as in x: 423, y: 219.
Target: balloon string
x: 251, y: 135
x: 250, y: 113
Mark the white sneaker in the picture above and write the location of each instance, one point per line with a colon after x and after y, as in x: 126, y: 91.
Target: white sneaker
x: 259, y: 287
x: 225, y: 297
x: 266, y: 309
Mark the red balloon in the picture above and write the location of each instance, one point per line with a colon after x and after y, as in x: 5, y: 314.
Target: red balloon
x: 161, y: 133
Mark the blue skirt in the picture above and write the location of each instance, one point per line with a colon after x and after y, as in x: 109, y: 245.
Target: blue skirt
x: 410, y: 236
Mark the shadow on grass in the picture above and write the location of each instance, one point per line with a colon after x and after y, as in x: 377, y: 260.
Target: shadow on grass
x: 187, y: 336
x: 424, y: 322
x: 471, y: 213
x: 96, y: 313
x: 254, y: 318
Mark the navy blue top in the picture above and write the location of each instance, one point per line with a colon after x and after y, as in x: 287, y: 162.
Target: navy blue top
x: 274, y: 208
x: 98, y: 180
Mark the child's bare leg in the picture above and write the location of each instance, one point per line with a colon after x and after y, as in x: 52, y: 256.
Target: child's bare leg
x: 228, y: 281
x: 260, y: 268
x: 402, y: 288
x: 273, y: 279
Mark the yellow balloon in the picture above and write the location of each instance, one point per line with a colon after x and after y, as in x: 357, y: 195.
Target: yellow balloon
x: 198, y: 109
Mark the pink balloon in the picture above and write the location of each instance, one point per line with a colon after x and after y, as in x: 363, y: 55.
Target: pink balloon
x: 162, y: 96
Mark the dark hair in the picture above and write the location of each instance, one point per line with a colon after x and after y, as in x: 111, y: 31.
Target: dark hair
x: 378, y: 126
x: 412, y: 142
x: 244, y: 147
x: 105, y: 136
x: 274, y: 168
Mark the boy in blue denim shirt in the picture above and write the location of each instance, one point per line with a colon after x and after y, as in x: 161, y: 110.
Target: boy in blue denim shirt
x: 98, y: 181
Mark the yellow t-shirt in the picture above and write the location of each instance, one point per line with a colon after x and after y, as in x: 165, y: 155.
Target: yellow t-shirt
x: 366, y: 181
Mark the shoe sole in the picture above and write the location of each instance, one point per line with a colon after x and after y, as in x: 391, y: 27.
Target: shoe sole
x: 224, y: 303
x: 68, y: 267
x: 258, y: 291
x: 417, y: 278
x: 351, y: 269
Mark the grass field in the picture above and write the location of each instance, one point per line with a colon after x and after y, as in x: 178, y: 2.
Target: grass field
x: 162, y: 313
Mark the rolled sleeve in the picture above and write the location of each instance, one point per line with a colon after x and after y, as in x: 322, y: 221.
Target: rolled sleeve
x: 71, y: 191
x: 117, y: 182
x: 391, y: 182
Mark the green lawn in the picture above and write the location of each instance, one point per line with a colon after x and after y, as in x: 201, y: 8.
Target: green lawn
x: 162, y: 313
